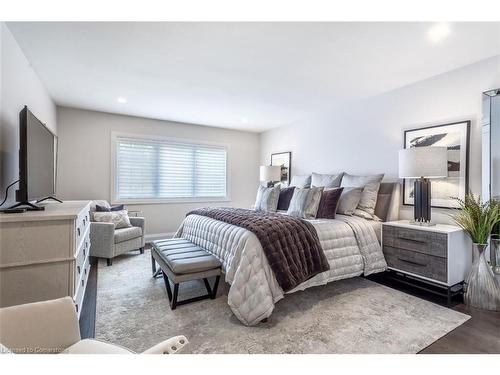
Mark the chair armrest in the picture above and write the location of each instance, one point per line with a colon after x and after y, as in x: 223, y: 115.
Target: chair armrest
x: 102, y: 239
x: 171, y: 346
x: 40, y: 327
x: 138, y: 222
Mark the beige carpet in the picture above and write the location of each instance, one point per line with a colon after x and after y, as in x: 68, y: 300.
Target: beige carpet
x: 349, y: 316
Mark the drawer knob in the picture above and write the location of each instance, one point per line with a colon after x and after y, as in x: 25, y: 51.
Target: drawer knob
x: 78, y: 231
x: 84, y: 255
x: 82, y: 282
x: 78, y: 269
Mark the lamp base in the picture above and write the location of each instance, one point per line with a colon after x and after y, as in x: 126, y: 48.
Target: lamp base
x: 422, y: 197
x: 422, y: 223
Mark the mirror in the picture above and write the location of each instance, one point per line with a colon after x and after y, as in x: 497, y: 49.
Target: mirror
x: 491, y: 144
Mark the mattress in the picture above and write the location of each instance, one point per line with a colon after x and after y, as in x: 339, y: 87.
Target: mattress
x: 350, y: 244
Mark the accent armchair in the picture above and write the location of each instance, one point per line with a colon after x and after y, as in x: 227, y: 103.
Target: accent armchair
x: 108, y: 242
x: 51, y: 327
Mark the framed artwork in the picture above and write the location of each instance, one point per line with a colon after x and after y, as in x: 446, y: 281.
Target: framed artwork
x: 284, y: 160
x: 455, y: 136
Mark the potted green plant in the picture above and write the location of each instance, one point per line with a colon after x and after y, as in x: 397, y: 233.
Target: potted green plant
x: 477, y: 219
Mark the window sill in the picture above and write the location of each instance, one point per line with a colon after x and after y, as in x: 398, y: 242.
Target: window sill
x: 169, y: 201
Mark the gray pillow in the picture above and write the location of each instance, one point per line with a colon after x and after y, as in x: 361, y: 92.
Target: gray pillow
x: 305, y: 202
x: 119, y: 218
x: 302, y: 181
x: 267, y: 199
x: 370, y: 185
x: 326, y: 180
x: 349, y: 200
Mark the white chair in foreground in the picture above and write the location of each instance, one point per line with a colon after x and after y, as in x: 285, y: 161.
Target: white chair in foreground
x: 52, y: 327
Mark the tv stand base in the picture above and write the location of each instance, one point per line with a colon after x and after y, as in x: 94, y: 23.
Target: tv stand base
x: 47, y: 198
x: 27, y: 206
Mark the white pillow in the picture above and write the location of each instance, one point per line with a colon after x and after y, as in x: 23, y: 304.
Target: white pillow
x: 301, y: 181
x: 349, y: 200
x: 326, y: 180
x: 305, y: 202
x: 119, y: 218
x: 267, y: 199
x: 370, y: 185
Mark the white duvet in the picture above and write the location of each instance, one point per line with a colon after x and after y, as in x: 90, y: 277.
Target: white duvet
x: 349, y: 243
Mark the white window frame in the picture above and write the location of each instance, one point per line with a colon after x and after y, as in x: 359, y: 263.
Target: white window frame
x: 114, y: 198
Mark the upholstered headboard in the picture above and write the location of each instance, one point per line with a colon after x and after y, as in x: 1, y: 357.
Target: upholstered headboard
x: 387, y: 207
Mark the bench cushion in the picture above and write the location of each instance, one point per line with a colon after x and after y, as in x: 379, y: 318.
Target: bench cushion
x: 184, y: 257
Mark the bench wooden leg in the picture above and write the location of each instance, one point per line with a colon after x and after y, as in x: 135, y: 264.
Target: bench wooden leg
x: 153, y: 265
x: 216, y: 285
x: 167, y: 286
x: 212, y: 292
x: 173, y: 305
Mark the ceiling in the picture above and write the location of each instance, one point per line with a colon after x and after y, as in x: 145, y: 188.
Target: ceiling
x: 250, y: 76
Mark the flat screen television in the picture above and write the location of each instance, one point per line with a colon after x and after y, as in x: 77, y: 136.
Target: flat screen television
x: 37, y: 159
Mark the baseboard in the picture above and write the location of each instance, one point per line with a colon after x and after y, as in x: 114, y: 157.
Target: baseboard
x: 158, y: 236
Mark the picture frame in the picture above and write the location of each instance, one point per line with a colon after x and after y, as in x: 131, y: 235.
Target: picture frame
x: 283, y: 159
x: 456, y: 137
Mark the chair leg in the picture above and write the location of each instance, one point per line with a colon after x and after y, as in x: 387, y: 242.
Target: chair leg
x: 109, y: 261
x: 141, y: 250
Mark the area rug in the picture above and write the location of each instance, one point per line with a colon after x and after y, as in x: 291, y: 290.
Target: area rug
x: 348, y: 316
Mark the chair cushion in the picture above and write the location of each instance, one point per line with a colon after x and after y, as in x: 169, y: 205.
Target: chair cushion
x: 125, y: 234
x: 89, y: 346
x: 182, y: 256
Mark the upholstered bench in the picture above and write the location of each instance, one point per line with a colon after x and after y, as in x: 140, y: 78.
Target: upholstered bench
x: 180, y: 260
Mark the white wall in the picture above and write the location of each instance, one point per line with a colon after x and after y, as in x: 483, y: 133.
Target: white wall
x: 366, y: 137
x: 85, y: 160
x: 20, y: 86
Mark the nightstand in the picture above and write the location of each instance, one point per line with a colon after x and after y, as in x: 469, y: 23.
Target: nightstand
x: 435, y: 258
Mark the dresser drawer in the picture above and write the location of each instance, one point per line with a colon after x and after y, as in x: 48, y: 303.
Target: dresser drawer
x: 81, y: 258
x: 421, y: 241
x: 81, y: 286
x: 81, y: 226
x: 429, y: 266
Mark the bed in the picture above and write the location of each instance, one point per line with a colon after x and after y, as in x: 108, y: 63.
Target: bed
x: 350, y: 244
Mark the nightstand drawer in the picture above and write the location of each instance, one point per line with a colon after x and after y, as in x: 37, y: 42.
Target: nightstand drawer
x: 421, y: 241
x: 417, y: 263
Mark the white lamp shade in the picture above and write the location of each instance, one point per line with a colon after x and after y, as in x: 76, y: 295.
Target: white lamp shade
x: 429, y: 162
x: 270, y: 173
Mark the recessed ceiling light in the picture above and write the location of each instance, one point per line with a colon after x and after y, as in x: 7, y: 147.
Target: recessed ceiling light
x: 244, y: 120
x: 439, y: 32
x: 121, y: 100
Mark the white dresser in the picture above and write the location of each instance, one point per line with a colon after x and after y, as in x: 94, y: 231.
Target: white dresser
x: 45, y: 254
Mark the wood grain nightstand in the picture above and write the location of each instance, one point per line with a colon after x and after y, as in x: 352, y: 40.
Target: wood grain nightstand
x: 439, y: 256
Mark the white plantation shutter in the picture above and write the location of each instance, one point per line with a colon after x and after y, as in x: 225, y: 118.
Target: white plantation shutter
x: 168, y: 169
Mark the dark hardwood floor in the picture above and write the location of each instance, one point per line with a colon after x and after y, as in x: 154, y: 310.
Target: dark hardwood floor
x: 480, y: 334
x: 87, y: 317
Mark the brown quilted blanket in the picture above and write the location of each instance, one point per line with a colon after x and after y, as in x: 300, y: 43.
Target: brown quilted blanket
x: 291, y: 245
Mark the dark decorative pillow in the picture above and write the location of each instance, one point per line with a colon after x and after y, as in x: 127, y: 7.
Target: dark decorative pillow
x: 329, y: 202
x: 118, y: 207
x: 286, y: 195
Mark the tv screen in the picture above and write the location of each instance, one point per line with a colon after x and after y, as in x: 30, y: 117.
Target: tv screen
x: 37, y: 158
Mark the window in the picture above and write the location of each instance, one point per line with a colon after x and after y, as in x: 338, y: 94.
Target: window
x: 168, y: 169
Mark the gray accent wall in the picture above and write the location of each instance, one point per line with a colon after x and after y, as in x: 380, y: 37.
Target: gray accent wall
x: 85, y: 161
x: 20, y: 86
x: 364, y: 137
